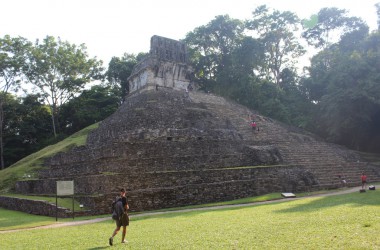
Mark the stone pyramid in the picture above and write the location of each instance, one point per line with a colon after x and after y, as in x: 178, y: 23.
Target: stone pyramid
x: 171, y: 145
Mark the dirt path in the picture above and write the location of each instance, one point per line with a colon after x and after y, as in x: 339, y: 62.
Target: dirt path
x: 83, y: 222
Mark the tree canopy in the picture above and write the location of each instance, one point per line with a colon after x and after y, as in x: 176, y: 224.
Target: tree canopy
x: 119, y: 69
x: 347, y: 92
x: 59, y: 70
x: 12, y: 61
x: 277, y: 32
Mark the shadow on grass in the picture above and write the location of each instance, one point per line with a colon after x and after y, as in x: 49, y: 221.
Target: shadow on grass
x: 369, y: 198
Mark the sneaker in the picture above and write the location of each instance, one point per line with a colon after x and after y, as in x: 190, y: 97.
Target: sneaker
x: 124, y: 241
x: 110, y: 241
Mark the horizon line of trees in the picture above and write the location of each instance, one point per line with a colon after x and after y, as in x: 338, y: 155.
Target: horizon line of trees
x: 250, y: 61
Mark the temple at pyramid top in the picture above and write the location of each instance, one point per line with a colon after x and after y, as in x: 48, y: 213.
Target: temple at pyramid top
x: 165, y: 66
x: 168, y: 49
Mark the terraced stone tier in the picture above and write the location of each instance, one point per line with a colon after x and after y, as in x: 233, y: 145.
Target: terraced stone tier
x: 172, y: 149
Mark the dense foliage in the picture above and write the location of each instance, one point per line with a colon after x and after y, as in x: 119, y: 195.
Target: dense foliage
x: 344, y: 83
x: 59, y: 70
x: 254, y: 62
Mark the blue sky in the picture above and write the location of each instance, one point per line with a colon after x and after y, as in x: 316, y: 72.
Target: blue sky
x: 113, y: 27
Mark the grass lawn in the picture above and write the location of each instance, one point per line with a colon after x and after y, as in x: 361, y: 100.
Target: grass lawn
x: 350, y: 221
x: 13, y: 219
x: 8, y: 218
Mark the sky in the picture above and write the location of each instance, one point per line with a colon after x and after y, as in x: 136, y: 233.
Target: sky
x: 113, y: 27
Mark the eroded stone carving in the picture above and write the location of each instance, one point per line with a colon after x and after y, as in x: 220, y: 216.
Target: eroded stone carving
x: 165, y: 66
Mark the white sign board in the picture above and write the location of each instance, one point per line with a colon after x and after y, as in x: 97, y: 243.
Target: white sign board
x: 288, y: 195
x: 65, y: 187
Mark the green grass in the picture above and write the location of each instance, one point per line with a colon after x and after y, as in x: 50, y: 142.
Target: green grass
x: 67, y: 202
x: 350, y: 221
x: 14, y: 220
x: 26, y: 168
x: 267, y: 197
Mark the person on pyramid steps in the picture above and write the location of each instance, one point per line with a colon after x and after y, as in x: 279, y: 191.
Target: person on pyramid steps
x: 254, y: 124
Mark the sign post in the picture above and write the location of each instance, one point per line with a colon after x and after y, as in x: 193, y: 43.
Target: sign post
x: 64, y: 188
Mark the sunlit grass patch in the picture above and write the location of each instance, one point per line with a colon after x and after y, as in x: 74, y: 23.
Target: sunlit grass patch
x: 349, y: 221
x: 13, y: 220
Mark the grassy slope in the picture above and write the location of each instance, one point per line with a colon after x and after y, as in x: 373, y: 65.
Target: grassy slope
x: 26, y: 167
x: 349, y: 221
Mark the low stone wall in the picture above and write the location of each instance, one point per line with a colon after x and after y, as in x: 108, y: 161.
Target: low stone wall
x: 157, y: 190
x: 34, y: 207
x: 222, y: 186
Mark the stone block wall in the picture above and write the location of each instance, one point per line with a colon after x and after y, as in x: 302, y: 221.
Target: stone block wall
x: 147, y: 157
x: 165, y: 66
x: 35, y: 207
x: 160, y: 74
x: 167, y: 49
x: 156, y: 190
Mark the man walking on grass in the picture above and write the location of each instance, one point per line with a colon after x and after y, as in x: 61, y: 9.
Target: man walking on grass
x: 120, y: 215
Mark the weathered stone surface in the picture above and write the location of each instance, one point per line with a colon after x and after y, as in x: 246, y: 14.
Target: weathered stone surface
x: 155, y: 190
x: 166, y: 49
x: 165, y: 66
x: 38, y: 207
x: 170, y: 148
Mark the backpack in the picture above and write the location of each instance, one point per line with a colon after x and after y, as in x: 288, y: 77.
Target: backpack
x: 117, y: 209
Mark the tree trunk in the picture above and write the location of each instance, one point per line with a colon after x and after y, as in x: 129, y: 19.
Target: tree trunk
x: 1, y: 134
x: 53, y: 121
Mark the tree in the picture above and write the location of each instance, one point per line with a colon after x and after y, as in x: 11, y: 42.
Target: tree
x: 236, y: 78
x: 276, y: 30
x: 211, y: 46
x: 91, y: 106
x: 119, y: 69
x: 27, y: 127
x: 330, y: 23
x: 231, y: 64
x: 298, y: 107
x: 59, y: 70
x: 347, y: 102
x: 12, y: 61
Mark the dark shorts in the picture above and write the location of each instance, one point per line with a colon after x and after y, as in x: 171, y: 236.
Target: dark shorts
x: 124, y: 221
x: 364, y: 182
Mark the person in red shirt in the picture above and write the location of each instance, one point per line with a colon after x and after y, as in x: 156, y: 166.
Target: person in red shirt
x: 364, y: 180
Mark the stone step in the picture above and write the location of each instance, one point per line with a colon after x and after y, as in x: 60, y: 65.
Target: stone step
x: 323, y: 159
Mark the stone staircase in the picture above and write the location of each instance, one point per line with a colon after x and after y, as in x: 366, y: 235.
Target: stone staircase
x: 325, y: 160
